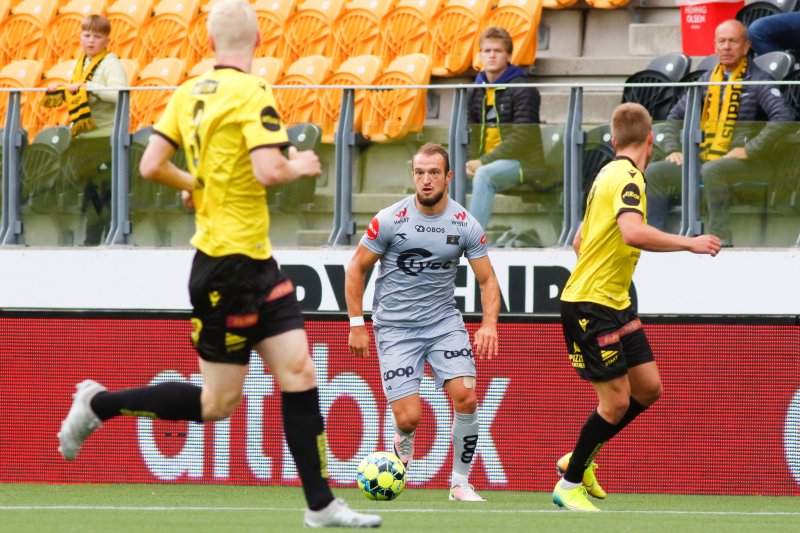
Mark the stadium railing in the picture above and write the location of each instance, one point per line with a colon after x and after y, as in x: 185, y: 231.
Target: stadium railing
x: 360, y: 177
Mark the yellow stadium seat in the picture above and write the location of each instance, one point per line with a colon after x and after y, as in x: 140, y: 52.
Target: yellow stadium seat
x: 360, y: 70
x: 269, y: 68
x: 392, y: 114
x: 25, y: 73
x: 165, y: 34
x: 405, y: 28
x: 60, y: 41
x: 127, y: 17
x: 453, y: 35
x: 147, y: 106
x: 608, y: 4
x: 521, y: 19
x: 201, y: 67
x: 357, y: 29
x: 297, y: 105
x: 41, y: 116
x: 272, y: 15
x: 5, y: 9
x: 22, y: 32
x: 558, y: 4
x: 307, y: 31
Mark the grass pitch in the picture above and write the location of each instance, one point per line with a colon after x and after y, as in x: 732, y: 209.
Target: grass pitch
x: 219, y: 508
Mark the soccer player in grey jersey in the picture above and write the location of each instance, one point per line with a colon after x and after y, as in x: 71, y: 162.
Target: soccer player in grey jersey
x: 419, y: 241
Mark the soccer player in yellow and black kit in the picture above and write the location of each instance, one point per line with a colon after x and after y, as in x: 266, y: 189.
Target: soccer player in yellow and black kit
x: 227, y: 123
x: 604, y: 336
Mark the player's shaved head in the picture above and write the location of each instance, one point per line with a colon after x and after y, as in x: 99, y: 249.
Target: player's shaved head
x: 233, y: 26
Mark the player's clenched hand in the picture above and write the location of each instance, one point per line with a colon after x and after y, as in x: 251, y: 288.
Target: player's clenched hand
x: 187, y: 199
x: 307, y: 161
x: 705, y: 244
x: 358, y: 341
x: 486, y: 341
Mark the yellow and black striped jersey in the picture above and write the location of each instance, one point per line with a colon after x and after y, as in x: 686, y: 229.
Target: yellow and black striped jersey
x: 606, y: 263
x: 218, y: 119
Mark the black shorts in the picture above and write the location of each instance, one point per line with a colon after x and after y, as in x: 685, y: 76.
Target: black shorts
x: 603, y: 342
x: 237, y: 302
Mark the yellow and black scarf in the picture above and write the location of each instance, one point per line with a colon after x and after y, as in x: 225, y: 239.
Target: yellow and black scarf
x: 719, y: 118
x: 80, y: 116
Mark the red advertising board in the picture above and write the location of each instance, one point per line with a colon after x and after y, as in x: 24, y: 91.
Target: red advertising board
x: 728, y: 423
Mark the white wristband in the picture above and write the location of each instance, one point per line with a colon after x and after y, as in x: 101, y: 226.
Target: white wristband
x: 356, y: 321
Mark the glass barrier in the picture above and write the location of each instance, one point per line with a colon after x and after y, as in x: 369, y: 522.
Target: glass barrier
x: 65, y: 191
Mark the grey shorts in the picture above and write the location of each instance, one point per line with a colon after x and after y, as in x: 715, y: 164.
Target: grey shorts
x: 402, y: 353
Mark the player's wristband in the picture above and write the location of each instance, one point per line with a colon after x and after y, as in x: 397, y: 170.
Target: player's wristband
x: 356, y: 321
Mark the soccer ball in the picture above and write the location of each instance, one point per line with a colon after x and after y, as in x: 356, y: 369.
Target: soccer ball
x: 381, y: 476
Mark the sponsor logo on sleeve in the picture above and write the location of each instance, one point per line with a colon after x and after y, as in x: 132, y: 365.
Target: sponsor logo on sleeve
x: 373, y: 229
x: 631, y: 195
x: 483, y: 239
x: 270, y: 119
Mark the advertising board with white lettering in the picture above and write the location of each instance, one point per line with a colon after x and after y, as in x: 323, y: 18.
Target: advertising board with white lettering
x: 728, y: 422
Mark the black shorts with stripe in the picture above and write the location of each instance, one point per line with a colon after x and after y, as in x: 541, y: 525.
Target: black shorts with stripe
x: 237, y: 302
x: 603, y: 342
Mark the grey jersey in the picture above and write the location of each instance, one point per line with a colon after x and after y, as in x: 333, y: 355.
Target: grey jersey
x: 416, y: 278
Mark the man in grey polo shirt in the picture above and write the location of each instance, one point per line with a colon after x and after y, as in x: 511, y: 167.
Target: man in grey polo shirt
x: 419, y: 242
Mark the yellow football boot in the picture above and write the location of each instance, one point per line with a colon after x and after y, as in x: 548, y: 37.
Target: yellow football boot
x: 573, y: 499
x: 589, y: 479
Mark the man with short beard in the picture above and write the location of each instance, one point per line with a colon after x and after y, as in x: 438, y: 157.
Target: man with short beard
x: 419, y: 241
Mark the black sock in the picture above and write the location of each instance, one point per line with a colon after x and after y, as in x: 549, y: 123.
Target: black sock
x: 634, y: 410
x: 166, y: 401
x: 305, y: 436
x: 595, y: 432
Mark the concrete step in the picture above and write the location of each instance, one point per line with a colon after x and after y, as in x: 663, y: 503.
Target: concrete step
x: 597, y: 106
x: 653, y: 39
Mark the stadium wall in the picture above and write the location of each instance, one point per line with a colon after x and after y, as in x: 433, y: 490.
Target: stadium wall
x: 725, y: 332
x: 728, y: 423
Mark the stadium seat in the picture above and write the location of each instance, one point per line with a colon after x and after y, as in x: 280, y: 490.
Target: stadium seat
x: 558, y: 4
x: 272, y: 15
x: 307, y: 31
x: 40, y: 180
x: 147, y: 195
x: 405, y: 29
x: 453, y: 35
x: 297, y: 105
x: 198, y: 47
x: 165, y: 34
x: 778, y: 64
x: 674, y: 66
x: 361, y: 70
x: 17, y: 75
x: 597, y: 153
x: 60, y: 41
x: 301, y: 191
x: 356, y: 30
x: 41, y: 116
x: 756, y: 10
x: 147, y: 106
x: 607, y: 4
x: 392, y: 114
x: 657, y: 99
x: 131, y: 68
x: 201, y: 67
x: 521, y: 19
x: 127, y: 17
x: 22, y: 32
x: 269, y: 68
x: 791, y: 93
x: 5, y: 9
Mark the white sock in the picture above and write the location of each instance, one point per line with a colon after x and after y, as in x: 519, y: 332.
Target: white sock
x: 567, y: 485
x: 465, y: 440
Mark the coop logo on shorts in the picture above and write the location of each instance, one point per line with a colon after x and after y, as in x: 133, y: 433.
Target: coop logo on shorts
x: 412, y: 262
x: 631, y: 195
x: 372, y: 229
x: 428, y: 229
x: 398, y: 373
x: 463, y: 352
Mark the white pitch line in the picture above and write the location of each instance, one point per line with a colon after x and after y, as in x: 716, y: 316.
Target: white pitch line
x: 298, y: 509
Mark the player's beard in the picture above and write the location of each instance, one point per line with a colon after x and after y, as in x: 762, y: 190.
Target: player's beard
x: 432, y: 201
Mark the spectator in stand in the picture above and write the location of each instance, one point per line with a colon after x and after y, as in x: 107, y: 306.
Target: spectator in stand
x: 734, y: 148
x: 506, y: 145
x: 776, y: 32
x: 91, y: 116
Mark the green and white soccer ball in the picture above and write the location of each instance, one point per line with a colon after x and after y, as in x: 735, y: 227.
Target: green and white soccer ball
x: 381, y: 476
